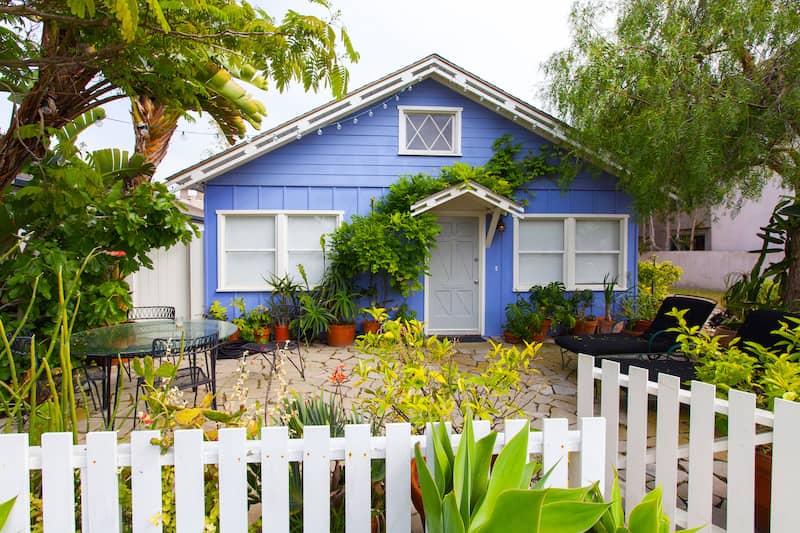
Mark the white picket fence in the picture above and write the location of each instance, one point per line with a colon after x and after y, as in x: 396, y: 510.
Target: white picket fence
x: 99, y: 460
x: 743, y: 435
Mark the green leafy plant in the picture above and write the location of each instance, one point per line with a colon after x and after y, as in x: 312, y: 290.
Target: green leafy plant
x: 284, y: 298
x: 342, y: 306
x: 217, y: 311
x: 411, y: 378
x: 5, y: 510
x: 609, y: 283
x: 656, y: 278
x: 314, y: 318
x: 646, y: 517
x: 521, y: 320
x: 378, y: 314
x: 581, y: 301
x: 463, y: 492
x: 552, y: 301
x: 642, y: 306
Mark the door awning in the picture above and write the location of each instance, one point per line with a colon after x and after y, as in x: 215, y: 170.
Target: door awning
x: 470, y: 196
x: 469, y: 193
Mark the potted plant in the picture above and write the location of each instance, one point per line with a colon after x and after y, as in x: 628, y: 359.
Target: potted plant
x: 238, y: 306
x: 606, y: 323
x: 639, y: 311
x: 259, y: 320
x: 342, y: 328
x: 217, y: 311
x: 313, y: 320
x: 517, y: 327
x: 284, y: 304
x: 552, y: 303
x: 377, y: 315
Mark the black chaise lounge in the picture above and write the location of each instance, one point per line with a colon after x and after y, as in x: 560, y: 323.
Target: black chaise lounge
x: 655, y: 340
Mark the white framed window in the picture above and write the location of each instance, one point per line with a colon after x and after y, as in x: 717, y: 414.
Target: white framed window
x: 429, y: 130
x: 578, y: 250
x: 252, y: 245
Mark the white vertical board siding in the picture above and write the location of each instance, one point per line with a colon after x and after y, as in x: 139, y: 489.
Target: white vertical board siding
x: 189, y: 493
x: 58, y: 483
x: 232, y: 480
x: 636, y: 437
x: 667, y: 442
x: 398, y: 478
x: 785, y: 467
x: 741, y: 461
x: 15, y: 480
x: 101, y: 465
x: 701, y: 454
x: 146, y: 482
x: 358, y: 489
x: 275, y: 480
x: 609, y: 409
x: 316, y: 479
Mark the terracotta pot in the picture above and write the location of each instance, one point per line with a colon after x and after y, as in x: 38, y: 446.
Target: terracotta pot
x: 281, y: 333
x: 642, y: 325
x: 371, y: 326
x: 763, y: 491
x: 539, y: 336
x: 262, y: 335
x: 727, y: 334
x: 589, y: 327
x: 235, y: 336
x: 510, y: 338
x: 604, y: 325
x: 341, y: 334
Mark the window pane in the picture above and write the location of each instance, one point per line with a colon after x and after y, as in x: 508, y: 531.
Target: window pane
x: 597, y: 235
x: 429, y: 131
x: 248, y: 269
x: 539, y: 269
x: 249, y: 232
x: 312, y: 263
x: 541, y: 235
x: 305, y: 231
x: 592, y: 268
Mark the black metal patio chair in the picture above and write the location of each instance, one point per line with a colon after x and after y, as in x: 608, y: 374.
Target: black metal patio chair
x: 151, y: 312
x: 654, y: 340
x: 198, y: 364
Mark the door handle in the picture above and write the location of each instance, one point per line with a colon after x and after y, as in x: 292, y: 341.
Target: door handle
x: 475, y: 282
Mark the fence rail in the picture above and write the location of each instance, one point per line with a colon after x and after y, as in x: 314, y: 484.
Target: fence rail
x: 97, y: 465
x: 638, y: 449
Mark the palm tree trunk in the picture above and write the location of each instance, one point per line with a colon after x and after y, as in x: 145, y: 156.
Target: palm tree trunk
x: 154, y: 123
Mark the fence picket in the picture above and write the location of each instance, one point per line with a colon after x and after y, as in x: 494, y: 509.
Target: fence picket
x: 189, y: 493
x: 15, y: 480
x: 636, y: 437
x: 585, y: 385
x: 667, y: 411
x: 741, y: 461
x: 398, y: 478
x: 785, y: 467
x: 609, y: 409
x: 554, y: 453
x: 316, y: 478
x: 358, y: 489
x: 146, y: 482
x: 103, y: 490
x: 58, y: 483
x: 701, y: 454
x: 592, y: 457
x: 275, y: 480
x: 232, y: 480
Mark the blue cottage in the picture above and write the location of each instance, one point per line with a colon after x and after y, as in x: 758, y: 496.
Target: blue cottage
x: 269, y: 200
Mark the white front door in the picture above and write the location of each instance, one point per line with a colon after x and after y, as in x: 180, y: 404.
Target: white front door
x: 454, y: 286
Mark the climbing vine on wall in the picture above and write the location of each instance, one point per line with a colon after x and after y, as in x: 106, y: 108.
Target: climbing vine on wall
x: 393, y: 248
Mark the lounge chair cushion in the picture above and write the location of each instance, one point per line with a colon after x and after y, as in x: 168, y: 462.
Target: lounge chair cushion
x: 613, y: 343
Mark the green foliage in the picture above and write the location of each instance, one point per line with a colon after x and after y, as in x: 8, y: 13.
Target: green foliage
x: 342, y: 306
x: 314, y: 318
x: 769, y: 372
x: 521, y: 319
x: 643, y: 306
x: 551, y: 300
x: 463, y: 492
x: 646, y: 517
x: 5, y: 510
x: 657, y: 277
x: 217, y: 311
x: 413, y: 379
x: 581, y: 301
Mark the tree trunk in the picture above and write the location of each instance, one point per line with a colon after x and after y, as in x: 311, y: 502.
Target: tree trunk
x: 691, y: 233
x: 153, y: 124
x: 667, y: 233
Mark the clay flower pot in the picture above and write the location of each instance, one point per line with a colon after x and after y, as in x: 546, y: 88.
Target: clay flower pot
x: 341, y: 334
x: 539, y: 336
x: 511, y: 338
x: 262, y: 335
x: 371, y: 326
x: 281, y: 332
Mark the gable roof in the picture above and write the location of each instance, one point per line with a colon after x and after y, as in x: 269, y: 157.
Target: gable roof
x: 433, y: 67
x: 469, y: 189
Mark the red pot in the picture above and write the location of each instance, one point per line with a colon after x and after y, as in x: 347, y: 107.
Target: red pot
x: 589, y: 327
x: 341, y: 334
x: 371, y: 326
x: 763, y: 491
x: 281, y: 333
x: 262, y: 335
x: 511, y: 338
x: 539, y: 336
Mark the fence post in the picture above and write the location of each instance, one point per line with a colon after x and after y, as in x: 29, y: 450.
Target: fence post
x: 592, y: 454
x: 636, y: 437
x: 667, y: 442
x: 101, y: 465
x: 609, y: 409
x: 232, y: 480
x: 398, y: 477
x: 357, y: 468
x: 146, y: 482
x: 15, y: 480
x: 741, y: 461
x: 316, y: 479
x: 189, y: 484
x: 275, y: 468
x: 785, y: 467
x: 58, y: 483
x: 701, y: 454
x: 554, y: 453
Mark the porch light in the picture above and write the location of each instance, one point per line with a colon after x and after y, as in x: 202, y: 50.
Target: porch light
x: 501, y: 226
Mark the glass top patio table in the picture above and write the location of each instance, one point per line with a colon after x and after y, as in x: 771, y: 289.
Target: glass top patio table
x: 136, y: 338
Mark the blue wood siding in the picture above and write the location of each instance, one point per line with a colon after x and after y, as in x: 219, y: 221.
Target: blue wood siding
x: 345, y: 169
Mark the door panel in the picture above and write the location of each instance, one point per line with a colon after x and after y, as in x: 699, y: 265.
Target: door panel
x: 454, y: 283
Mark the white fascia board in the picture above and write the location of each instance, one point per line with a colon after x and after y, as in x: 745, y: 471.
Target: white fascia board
x: 473, y: 189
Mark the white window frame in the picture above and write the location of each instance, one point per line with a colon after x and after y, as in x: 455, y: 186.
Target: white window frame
x: 281, y: 243
x: 568, y: 273
x: 434, y: 110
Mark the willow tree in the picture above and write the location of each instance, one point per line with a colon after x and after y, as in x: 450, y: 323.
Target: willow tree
x: 697, y: 102
x: 62, y: 58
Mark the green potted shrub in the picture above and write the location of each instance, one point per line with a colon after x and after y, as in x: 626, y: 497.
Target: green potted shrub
x: 342, y: 327
x: 518, y: 324
x: 581, y: 302
x: 638, y: 311
x: 259, y: 319
x: 377, y: 315
x: 313, y: 320
x: 284, y: 304
x: 606, y: 323
x: 551, y: 301
x: 217, y: 311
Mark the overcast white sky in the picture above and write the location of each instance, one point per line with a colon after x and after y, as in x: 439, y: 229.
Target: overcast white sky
x: 501, y: 41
